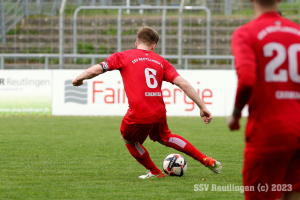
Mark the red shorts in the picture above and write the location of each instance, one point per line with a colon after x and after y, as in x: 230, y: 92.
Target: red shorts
x: 134, y: 132
x: 271, y: 174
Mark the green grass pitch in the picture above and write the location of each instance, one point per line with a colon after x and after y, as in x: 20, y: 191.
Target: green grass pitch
x: 85, y: 158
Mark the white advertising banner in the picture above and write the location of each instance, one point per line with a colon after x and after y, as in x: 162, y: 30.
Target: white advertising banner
x: 104, y: 95
x: 25, y: 92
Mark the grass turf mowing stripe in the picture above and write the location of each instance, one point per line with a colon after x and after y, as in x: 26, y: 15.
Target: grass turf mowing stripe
x: 84, y: 158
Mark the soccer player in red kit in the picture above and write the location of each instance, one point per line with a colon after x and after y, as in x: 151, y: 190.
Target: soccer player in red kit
x: 267, y: 57
x: 143, y: 72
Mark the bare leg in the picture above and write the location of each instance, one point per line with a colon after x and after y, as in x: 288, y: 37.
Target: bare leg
x: 127, y: 142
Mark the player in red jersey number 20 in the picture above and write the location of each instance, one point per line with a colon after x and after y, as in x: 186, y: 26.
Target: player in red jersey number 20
x: 143, y: 72
x: 267, y: 57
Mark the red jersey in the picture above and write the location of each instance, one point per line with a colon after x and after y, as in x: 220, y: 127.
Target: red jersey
x: 267, y: 60
x: 142, y: 72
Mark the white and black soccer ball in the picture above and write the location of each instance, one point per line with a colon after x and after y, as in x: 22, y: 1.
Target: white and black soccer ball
x: 174, y: 165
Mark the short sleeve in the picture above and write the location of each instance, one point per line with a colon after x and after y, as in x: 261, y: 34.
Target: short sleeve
x: 170, y: 72
x: 116, y: 61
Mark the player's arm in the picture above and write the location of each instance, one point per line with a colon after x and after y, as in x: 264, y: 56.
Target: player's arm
x: 192, y: 94
x: 245, y: 63
x: 88, y: 74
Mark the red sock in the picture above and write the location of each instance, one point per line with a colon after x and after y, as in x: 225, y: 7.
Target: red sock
x: 180, y: 144
x: 142, y: 156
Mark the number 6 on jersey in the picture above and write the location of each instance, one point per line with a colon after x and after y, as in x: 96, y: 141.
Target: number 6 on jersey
x: 150, y: 76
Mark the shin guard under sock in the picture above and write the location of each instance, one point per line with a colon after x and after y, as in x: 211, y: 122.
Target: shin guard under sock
x: 180, y: 144
x: 142, y: 156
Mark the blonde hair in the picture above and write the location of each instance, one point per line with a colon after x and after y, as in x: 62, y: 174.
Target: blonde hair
x: 147, y: 36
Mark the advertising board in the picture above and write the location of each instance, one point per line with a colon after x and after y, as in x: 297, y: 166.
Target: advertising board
x: 104, y: 95
x: 25, y: 92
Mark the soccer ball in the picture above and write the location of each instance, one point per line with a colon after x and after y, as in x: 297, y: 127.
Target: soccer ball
x: 174, y: 165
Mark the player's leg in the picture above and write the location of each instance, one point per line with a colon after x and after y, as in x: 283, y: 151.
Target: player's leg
x: 134, y: 136
x: 293, y: 177
x: 140, y: 153
x: 162, y: 134
x: 264, y: 174
x: 180, y: 144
